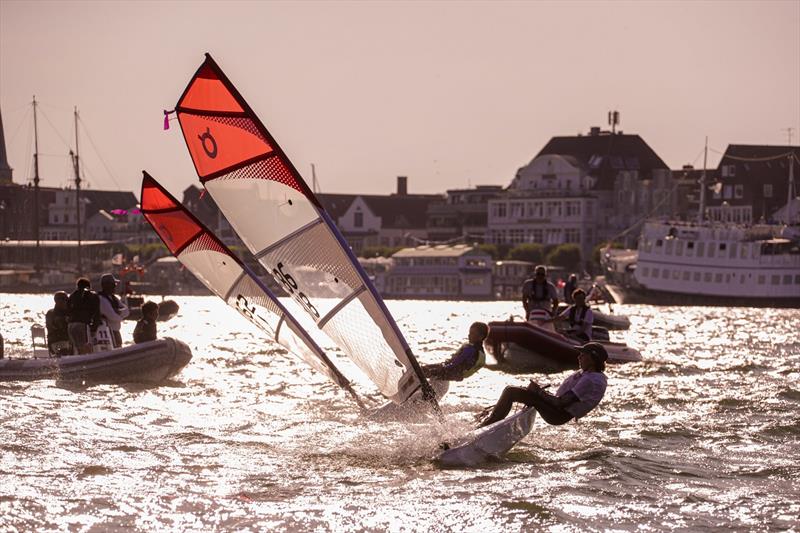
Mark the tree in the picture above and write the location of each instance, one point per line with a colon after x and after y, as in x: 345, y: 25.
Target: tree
x: 490, y: 249
x: 567, y: 256
x: 531, y: 252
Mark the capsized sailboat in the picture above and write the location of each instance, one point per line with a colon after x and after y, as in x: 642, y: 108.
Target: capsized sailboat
x: 283, y: 224
x: 205, y: 256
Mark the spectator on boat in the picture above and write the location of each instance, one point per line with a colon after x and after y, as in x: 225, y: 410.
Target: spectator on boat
x: 538, y: 293
x: 146, y: 327
x: 466, y: 361
x: 111, y: 308
x: 569, y: 288
x: 576, y: 397
x: 83, y: 310
x: 57, y: 323
x: 578, y: 316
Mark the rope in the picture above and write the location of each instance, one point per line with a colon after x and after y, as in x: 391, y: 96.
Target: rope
x: 97, y: 152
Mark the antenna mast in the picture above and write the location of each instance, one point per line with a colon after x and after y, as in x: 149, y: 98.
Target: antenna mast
x: 36, y: 187
x: 702, y: 214
x: 76, y: 167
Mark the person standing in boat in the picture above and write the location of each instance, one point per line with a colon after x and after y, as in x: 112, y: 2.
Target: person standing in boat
x: 575, y: 398
x: 569, y: 288
x: 112, y: 309
x: 466, y: 361
x: 56, y: 321
x: 145, y: 329
x: 538, y: 293
x: 83, y: 310
x: 578, y: 316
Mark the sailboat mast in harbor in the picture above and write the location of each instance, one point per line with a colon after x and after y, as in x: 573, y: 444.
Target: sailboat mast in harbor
x: 36, y: 188
x: 701, y: 216
x: 76, y: 166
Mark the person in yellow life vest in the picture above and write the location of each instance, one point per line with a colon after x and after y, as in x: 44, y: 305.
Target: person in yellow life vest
x: 466, y: 361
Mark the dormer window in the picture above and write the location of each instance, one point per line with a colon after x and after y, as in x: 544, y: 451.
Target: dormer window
x: 358, y: 219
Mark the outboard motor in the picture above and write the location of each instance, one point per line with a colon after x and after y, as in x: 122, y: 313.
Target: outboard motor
x: 540, y: 318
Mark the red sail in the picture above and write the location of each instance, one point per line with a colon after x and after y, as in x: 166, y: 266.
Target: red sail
x: 175, y: 226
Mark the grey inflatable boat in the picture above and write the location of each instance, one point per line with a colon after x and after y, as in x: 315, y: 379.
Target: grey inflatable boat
x: 148, y: 362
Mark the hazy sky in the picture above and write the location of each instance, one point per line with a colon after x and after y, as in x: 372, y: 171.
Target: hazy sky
x: 451, y: 94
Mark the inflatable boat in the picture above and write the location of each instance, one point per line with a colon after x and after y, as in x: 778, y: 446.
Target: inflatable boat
x: 148, y: 362
x: 529, y: 346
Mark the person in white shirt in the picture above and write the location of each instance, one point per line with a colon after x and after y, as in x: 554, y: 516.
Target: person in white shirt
x: 112, y: 309
x: 577, y: 395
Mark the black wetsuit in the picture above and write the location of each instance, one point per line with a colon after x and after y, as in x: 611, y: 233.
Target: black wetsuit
x: 56, y: 321
x: 145, y: 331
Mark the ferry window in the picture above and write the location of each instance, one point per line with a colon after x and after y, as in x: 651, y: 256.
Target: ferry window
x: 718, y: 278
x: 743, y: 252
x: 679, y: 248
x: 776, y: 279
x: 787, y: 279
x: 700, y: 247
x: 686, y: 275
x: 668, y: 248
x: 797, y: 279
x: 659, y: 242
x: 733, y: 251
x: 741, y: 279
x: 676, y: 274
x: 655, y: 273
x: 722, y: 246
x: 690, y: 245
x: 761, y: 279
x: 711, y: 249
x: 646, y: 271
x: 767, y: 190
x: 707, y: 277
x: 696, y: 276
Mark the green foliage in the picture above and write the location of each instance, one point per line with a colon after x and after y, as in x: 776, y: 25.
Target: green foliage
x: 567, y: 256
x: 532, y: 252
x: 490, y: 249
x: 379, y: 251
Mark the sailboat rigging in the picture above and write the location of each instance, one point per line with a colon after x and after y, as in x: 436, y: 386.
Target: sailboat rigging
x: 282, y: 223
x: 228, y: 277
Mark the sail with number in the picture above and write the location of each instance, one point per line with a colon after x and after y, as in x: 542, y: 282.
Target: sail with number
x: 205, y: 256
x: 283, y: 224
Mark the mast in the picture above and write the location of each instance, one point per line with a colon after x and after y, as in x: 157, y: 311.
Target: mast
x: 702, y: 214
x: 76, y: 167
x: 790, y: 209
x: 36, y: 187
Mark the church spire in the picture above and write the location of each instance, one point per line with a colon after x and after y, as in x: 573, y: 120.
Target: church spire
x: 5, y: 170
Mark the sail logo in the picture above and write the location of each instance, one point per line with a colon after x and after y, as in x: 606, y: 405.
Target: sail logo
x: 290, y: 285
x: 212, y: 151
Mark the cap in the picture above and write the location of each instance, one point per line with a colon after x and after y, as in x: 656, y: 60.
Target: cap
x: 596, y: 350
x: 108, y: 279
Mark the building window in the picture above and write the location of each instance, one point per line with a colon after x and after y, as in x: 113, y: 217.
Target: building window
x: 696, y: 276
x: 686, y: 274
x: 776, y: 279
x: 738, y: 191
x: 787, y: 279
x: 718, y: 278
x: 707, y: 277
x: 358, y: 219
x: 761, y: 279
x: 646, y: 272
x: 572, y: 235
x: 767, y: 190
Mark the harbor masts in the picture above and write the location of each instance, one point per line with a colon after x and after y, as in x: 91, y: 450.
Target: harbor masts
x: 76, y: 166
x: 36, y: 187
x: 701, y: 216
x: 790, y: 208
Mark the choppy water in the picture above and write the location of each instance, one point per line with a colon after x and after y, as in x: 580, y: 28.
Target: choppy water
x: 703, y: 435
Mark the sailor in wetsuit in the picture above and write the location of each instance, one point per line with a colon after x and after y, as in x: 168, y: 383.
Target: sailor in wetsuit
x: 538, y: 293
x: 577, y: 395
x: 145, y: 329
x: 56, y: 320
x: 466, y: 361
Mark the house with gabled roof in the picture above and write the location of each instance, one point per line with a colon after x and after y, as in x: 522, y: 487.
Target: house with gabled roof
x: 584, y: 190
x: 754, y: 180
x: 393, y: 220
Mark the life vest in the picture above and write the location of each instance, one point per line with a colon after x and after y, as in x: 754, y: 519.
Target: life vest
x: 572, y: 313
x: 480, y: 362
x: 539, y: 291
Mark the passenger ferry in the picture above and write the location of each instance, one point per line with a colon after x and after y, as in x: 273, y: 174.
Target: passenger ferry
x: 708, y: 264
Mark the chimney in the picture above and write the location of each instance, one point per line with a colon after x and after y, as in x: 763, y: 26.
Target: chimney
x: 594, y: 131
x: 402, y: 185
